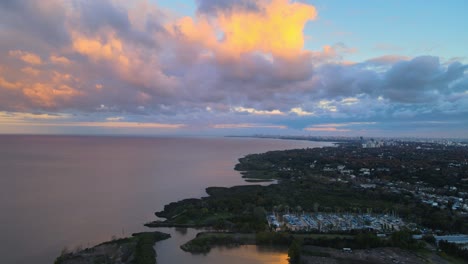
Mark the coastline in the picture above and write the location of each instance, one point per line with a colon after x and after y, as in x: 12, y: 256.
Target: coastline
x: 162, y: 224
x: 237, y: 215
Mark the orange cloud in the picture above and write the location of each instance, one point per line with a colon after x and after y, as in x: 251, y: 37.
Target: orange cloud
x: 30, y: 71
x: 276, y: 29
x: 97, y: 49
x: 43, y: 88
x: 59, y: 60
x: 46, y: 95
x: 123, y: 57
x: 25, y: 56
x: 8, y: 85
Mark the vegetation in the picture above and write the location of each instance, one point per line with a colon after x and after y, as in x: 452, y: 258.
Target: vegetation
x: 239, y: 208
x: 137, y: 249
x: 144, y: 251
x: 225, y: 209
x: 294, y: 252
x: 410, y: 162
x: 203, y: 242
x: 274, y: 238
x: 315, y: 253
x: 453, y: 250
x: 429, y: 166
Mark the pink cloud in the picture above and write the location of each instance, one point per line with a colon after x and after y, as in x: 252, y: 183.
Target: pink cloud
x: 27, y: 57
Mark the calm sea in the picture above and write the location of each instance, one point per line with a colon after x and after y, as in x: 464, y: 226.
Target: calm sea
x: 72, y: 191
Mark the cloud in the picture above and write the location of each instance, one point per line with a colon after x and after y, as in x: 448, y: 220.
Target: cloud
x: 272, y: 27
x: 346, y: 124
x: 254, y: 111
x: 21, y: 117
x: 7, y: 85
x: 40, y: 22
x: 349, y: 101
x: 30, y: 71
x: 246, y: 125
x: 214, y: 7
x: 115, y: 118
x: 25, y: 56
x: 124, y: 125
x: 96, y: 49
x: 239, y: 63
x: 45, y: 95
x: 60, y: 120
x: 338, y: 127
x: 326, y: 129
x: 327, y: 105
x: 422, y: 79
x: 387, y: 60
x: 59, y: 60
x: 300, y: 112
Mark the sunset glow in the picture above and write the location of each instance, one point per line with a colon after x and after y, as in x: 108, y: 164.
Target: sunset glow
x: 187, y: 65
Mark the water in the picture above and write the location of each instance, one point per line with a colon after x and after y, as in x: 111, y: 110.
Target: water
x: 169, y: 251
x: 70, y: 191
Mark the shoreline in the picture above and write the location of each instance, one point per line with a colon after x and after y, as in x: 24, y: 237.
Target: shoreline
x: 306, y: 182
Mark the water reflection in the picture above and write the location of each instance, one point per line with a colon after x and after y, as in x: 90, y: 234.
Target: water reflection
x: 169, y: 251
x: 247, y: 254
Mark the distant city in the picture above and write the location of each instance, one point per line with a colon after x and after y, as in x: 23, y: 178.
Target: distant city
x: 370, y: 142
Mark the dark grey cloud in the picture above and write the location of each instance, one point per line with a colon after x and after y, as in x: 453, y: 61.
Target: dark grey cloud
x: 36, y: 20
x: 420, y: 80
x: 214, y: 6
x: 96, y: 16
x: 336, y: 81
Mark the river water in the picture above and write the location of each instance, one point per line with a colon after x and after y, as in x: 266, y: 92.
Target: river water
x: 77, y: 191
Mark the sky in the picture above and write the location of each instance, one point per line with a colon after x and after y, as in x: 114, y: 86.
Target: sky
x: 234, y: 67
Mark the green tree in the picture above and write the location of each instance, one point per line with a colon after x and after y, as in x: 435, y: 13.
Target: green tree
x: 294, y: 252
